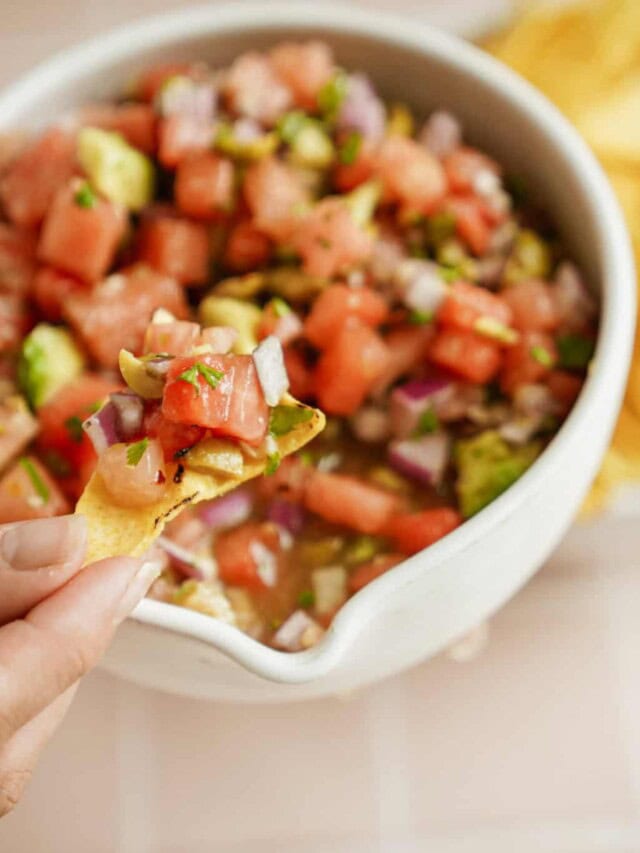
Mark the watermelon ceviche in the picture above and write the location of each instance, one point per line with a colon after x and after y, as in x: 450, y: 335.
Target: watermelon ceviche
x: 173, y: 262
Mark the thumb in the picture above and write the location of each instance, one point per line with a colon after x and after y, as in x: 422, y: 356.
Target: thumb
x: 37, y: 558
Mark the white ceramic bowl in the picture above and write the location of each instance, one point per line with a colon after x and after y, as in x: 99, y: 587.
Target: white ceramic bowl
x: 419, y: 607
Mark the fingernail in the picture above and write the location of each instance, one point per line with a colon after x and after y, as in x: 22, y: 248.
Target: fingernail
x: 137, y: 588
x: 43, y: 543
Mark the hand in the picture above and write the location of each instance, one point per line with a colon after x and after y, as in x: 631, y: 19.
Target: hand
x: 55, y: 623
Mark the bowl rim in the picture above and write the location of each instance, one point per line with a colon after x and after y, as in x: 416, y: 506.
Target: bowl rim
x: 617, y: 320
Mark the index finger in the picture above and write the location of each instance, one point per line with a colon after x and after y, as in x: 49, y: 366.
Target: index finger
x: 64, y: 637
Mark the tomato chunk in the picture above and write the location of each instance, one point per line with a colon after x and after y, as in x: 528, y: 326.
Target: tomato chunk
x: 349, y: 368
x: 464, y: 165
x: 17, y: 259
x: 465, y: 304
x: 51, y: 288
x: 528, y: 361
x: 275, y: 196
x: 466, y: 354
x: 471, y: 222
x: 135, y: 122
x: 15, y: 321
x: 204, y: 187
x: 176, y: 247
x: 348, y: 176
x: 301, y: 382
x: 337, y: 306
x: 174, y: 438
x: 35, y: 176
x: 304, y: 68
x: 533, y: 306
x: 115, y: 314
x: 247, y: 248
x: 407, y: 347
x: 62, y: 442
x: 81, y: 240
x: 180, y: 136
x: 368, y: 572
x: 177, y: 338
x: 153, y: 79
x: 414, y: 531
x: 235, y: 406
x: 329, y: 240
x: 411, y: 175
x: 247, y: 556
x: 27, y: 491
x: 350, y: 502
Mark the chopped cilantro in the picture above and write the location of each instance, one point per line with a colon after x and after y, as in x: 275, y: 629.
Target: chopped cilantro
x: 73, y: 426
x: 332, y: 94
x: 420, y: 318
x: 542, y: 356
x: 306, y: 598
x: 211, y: 376
x: 279, y: 306
x: 284, y: 418
x: 290, y: 125
x: 273, y: 463
x: 350, y: 148
x: 574, y: 351
x: 85, y: 197
x: 136, y: 451
x: 40, y: 487
x: 428, y: 422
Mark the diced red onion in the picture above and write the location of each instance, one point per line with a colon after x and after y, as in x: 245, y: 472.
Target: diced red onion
x: 520, y: 430
x: 288, y: 328
x: 186, y: 97
x: 102, y: 428
x: 290, y: 636
x: 575, y: 304
x: 285, y: 514
x: 371, y: 424
x: 228, y: 510
x: 266, y: 563
x: 158, y: 366
x: 188, y: 562
x: 421, y: 286
x: 272, y: 373
x: 535, y: 399
x: 423, y: 459
x: 411, y: 400
x: 130, y: 411
x: 247, y: 130
x: 361, y: 109
x: 386, y: 256
x: 219, y: 338
x: 441, y: 133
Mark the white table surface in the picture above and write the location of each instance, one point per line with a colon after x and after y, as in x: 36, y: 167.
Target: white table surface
x: 533, y: 746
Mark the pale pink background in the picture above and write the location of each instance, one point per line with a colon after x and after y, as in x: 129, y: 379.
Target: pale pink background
x: 535, y: 746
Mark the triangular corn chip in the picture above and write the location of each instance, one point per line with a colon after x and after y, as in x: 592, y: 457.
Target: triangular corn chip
x: 116, y: 530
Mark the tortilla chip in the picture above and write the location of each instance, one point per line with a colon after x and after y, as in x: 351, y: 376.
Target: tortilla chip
x: 612, y: 125
x: 116, y: 530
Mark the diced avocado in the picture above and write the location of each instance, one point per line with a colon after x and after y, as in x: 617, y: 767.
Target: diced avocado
x: 363, y: 201
x: 120, y: 172
x: 135, y: 374
x: 362, y: 549
x: 487, y: 466
x: 48, y: 360
x: 400, y: 121
x: 530, y: 258
x: 311, y: 146
x: 245, y: 149
x: 244, y: 317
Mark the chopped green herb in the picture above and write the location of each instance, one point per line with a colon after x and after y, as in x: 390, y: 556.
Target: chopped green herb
x: 421, y: 318
x: 306, y: 598
x: 37, y: 482
x: 350, y: 148
x: 273, y: 463
x: 290, y: 125
x: 73, y: 426
x: 428, y: 422
x: 136, y: 451
x: 574, y: 351
x: 332, y: 94
x: 542, y: 356
x: 280, y: 307
x: 211, y: 376
x: 94, y: 407
x: 85, y: 197
x: 284, y: 418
